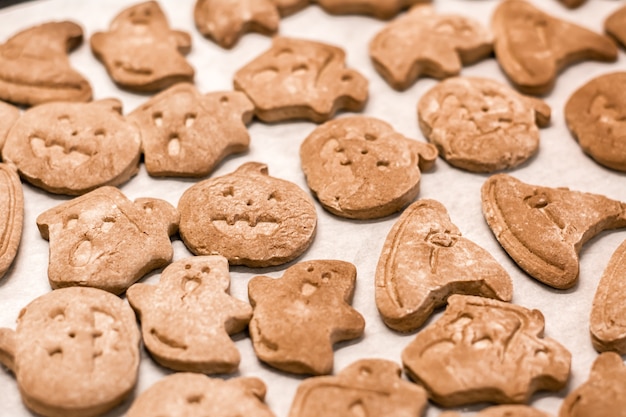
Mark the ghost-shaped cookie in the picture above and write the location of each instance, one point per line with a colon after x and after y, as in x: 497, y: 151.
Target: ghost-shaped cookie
x: 104, y: 240
x: 187, y: 318
x: 185, y: 133
x: 11, y: 216
x: 297, y: 318
x: 141, y: 52
x: 424, y: 43
x: 75, y: 352
x: 301, y: 79
x: 424, y: 260
x: 473, y: 354
x: 35, y: 69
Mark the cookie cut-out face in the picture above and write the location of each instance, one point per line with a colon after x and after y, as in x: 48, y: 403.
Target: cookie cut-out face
x: 103, y: 240
x: 11, y: 216
x: 73, y: 148
x: 191, y: 394
x: 381, y: 9
x: 532, y: 47
x: 141, y: 52
x: 424, y: 260
x: 615, y: 25
x: 185, y: 133
x: 300, y: 79
x: 35, y: 69
x: 8, y: 115
x: 187, y: 317
x: 368, y: 387
x: 298, y: 318
x: 481, y: 125
x: 474, y: 351
x: 75, y: 352
x: 359, y: 167
x: 543, y: 229
x: 423, y: 43
x: 247, y: 216
x: 596, y: 116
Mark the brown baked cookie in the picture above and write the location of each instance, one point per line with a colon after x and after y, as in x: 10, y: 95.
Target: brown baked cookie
x: 141, y: 52
x: 424, y: 260
x: 360, y: 168
x: 301, y: 79
x: 185, y: 133
x: 186, y: 319
x: 596, y: 116
x: 532, y: 47
x: 248, y: 217
x: 196, y: 395
x: 367, y: 387
x: 104, y: 240
x: 298, y: 318
x: 474, y: 351
x: 572, y: 4
x: 8, y: 115
x: 73, y: 148
x: 226, y: 21
x: 481, y: 125
x: 543, y: 229
x: 75, y: 352
x: 424, y: 43
x: 503, y: 411
x: 615, y: 25
x: 381, y: 9
x: 11, y: 216
x: 34, y: 67
x: 604, y: 393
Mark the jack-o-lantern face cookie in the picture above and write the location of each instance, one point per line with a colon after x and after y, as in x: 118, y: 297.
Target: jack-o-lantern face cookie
x: 424, y: 260
x: 301, y: 79
x: 196, y: 395
x: 141, y: 52
x: 604, y: 393
x: 473, y: 354
x: 543, y: 229
x: 615, y: 25
x: 187, y: 317
x: 298, y: 318
x: 532, y: 47
x: 422, y: 42
x: 104, y: 240
x: 185, y: 133
x: 596, y: 116
x: 481, y: 125
x: 34, y: 67
x: 73, y: 148
x: 8, y: 115
x: 368, y: 387
x: 75, y: 352
x: 11, y: 216
x: 247, y: 216
x: 360, y: 168
x: 381, y: 9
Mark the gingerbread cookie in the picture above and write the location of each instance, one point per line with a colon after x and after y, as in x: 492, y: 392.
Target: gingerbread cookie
x: 503, y: 411
x: 225, y: 21
x: 301, y: 79
x: 104, y: 240
x: 424, y: 43
x: 532, y: 47
x: 368, y: 387
x: 141, y: 52
x: 360, y: 168
x: 73, y: 148
x: 8, y: 116
x: 481, y: 125
x: 572, y: 4
x: 11, y: 216
x: 185, y: 133
x: 186, y: 319
x: 75, y: 352
x: 196, y: 395
x: 35, y: 69
x: 604, y: 393
x: 298, y: 318
x: 595, y: 114
x: 247, y: 216
x: 424, y: 260
x: 543, y: 229
x: 615, y: 25
x: 381, y: 9
x: 474, y: 351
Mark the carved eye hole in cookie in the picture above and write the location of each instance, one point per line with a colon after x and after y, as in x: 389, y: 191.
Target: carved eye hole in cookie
x: 358, y: 409
x: 482, y: 342
x: 537, y: 201
x: 55, y: 353
x: 541, y: 354
x: 57, y: 314
x: 370, y: 137
x: 284, y: 53
x: 346, y: 78
x: 190, y: 119
x: 173, y: 145
x: 70, y: 221
x: 300, y: 69
x: 99, y: 134
x: 265, y: 75
x: 326, y: 277
x: 64, y: 118
x: 107, y: 224
x: 364, y: 151
x: 382, y: 164
x: 194, y: 399
x: 223, y: 100
x: 157, y: 118
x: 273, y: 196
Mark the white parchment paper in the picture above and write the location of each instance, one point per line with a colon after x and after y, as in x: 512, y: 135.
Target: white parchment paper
x: 560, y: 162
